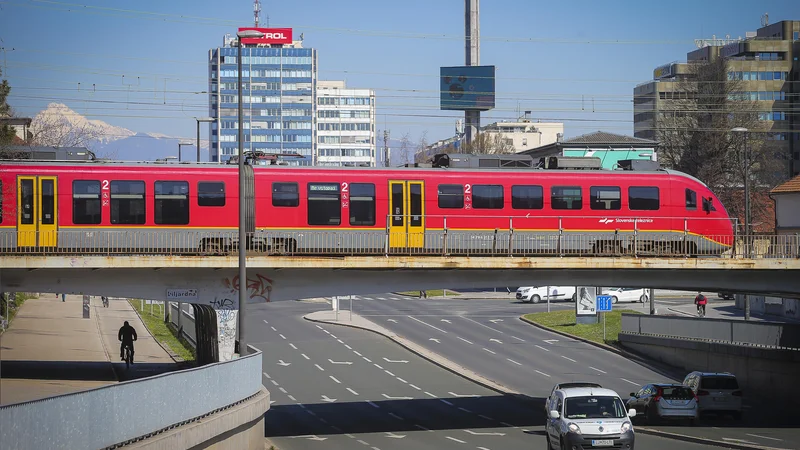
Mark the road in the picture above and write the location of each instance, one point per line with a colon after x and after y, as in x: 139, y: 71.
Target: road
x: 487, y: 337
x: 335, y: 387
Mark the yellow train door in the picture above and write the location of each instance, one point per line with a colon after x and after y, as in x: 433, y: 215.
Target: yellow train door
x: 406, y: 214
x: 37, y: 212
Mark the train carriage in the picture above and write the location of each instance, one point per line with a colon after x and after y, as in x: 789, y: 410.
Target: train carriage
x: 194, y: 208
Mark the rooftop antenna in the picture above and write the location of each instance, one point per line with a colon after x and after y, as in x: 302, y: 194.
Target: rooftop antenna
x: 256, y: 12
x: 765, y: 20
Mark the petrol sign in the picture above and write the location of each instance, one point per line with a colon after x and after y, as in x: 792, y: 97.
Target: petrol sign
x: 271, y: 36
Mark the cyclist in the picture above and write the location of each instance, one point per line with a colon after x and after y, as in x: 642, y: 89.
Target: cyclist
x: 127, y: 334
x: 105, y: 301
x: 701, y: 302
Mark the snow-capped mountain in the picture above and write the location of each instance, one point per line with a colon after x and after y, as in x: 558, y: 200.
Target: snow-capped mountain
x: 58, y: 125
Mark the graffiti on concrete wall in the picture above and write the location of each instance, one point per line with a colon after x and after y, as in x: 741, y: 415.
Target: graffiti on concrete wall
x: 258, y: 286
x: 226, y: 326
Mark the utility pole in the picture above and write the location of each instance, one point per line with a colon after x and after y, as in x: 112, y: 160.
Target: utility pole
x: 472, y: 34
x: 386, y: 156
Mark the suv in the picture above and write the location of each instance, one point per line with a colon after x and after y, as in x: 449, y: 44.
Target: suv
x: 566, y: 386
x: 717, y: 392
x: 535, y: 294
x: 583, y: 417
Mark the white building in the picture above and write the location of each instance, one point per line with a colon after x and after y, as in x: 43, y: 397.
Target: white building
x: 345, y: 125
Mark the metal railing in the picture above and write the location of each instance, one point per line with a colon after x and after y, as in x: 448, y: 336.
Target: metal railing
x: 119, y: 413
x: 761, y: 334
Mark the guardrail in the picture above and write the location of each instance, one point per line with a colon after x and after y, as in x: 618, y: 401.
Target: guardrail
x: 125, y: 412
x: 186, y: 324
x: 431, y: 242
x: 762, y: 334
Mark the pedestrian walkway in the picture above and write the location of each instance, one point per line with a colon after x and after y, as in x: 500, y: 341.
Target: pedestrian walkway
x: 50, y: 349
x: 727, y: 310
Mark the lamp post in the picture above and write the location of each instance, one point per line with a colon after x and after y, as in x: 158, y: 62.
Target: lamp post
x: 245, y: 34
x: 747, y: 237
x: 181, y: 144
x: 201, y: 119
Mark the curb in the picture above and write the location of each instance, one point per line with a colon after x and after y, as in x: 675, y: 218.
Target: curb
x: 166, y: 349
x: 435, y: 358
x: 703, y: 441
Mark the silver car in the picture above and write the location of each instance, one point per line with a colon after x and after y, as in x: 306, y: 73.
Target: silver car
x: 717, y: 392
x: 664, y: 401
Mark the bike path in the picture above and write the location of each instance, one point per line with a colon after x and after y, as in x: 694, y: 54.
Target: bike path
x: 722, y: 309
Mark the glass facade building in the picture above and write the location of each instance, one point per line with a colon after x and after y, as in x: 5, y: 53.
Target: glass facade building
x: 279, y: 97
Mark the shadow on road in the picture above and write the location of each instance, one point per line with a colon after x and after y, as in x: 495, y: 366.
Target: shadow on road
x: 84, y: 370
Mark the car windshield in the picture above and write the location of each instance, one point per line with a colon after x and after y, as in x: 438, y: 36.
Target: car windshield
x: 576, y: 385
x: 719, y: 383
x: 594, y: 407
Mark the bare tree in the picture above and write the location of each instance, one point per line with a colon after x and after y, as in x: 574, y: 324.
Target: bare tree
x: 422, y: 146
x: 53, y: 129
x: 695, y: 136
x: 406, y: 147
x: 488, y: 143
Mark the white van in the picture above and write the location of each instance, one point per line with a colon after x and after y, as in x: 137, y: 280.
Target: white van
x: 588, y: 418
x: 536, y: 294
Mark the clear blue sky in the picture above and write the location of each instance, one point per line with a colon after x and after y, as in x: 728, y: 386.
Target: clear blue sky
x: 572, y: 61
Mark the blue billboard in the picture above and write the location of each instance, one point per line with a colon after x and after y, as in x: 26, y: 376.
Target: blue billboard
x: 465, y: 88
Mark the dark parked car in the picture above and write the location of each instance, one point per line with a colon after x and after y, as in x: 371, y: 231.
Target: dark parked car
x: 725, y: 295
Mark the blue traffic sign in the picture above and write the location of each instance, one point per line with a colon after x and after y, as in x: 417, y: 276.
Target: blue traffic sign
x: 604, y: 303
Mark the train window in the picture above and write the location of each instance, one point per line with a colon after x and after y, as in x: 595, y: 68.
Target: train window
x: 324, y: 204
x: 210, y: 193
x: 451, y: 196
x: 487, y: 196
x: 172, y: 203
x: 362, y: 204
x: 691, y: 199
x: 86, y: 202
x: 398, y: 206
x: 285, y: 194
x: 415, y: 204
x: 605, y: 198
x: 527, y: 197
x: 642, y: 198
x: 26, y: 215
x: 566, y: 197
x: 127, y: 203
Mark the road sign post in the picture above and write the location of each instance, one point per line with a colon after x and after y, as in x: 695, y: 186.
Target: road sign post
x: 604, y: 305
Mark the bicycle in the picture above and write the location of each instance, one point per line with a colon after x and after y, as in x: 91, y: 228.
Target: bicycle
x: 128, y: 356
x: 701, y: 311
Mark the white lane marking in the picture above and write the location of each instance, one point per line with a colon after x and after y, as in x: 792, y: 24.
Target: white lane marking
x: 389, y: 397
x: 482, y: 448
x: 595, y: 368
x: 495, y: 340
x: 340, y: 341
x: 403, y: 361
x: 367, y: 359
x: 333, y: 336
x: 465, y: 410
x: 391, y: 320
x: 519, y: 339
x: 377, y: 365
x: 506, y: 424
x: 311, y: 412
x: 629, y: 381
x: 348, y: 347
x: 319, y: 367
x: 334, y: 379
x: 476, y: 433
x: 291, y: 397
x: 325, y: 330
x: 292, y: 345
x: 356, y: 352
x: 569, y: 359
x: 352, y: 391
x: 415, y: 387
x: 273, y: 328
x: 389, y: 373
x: 464, y: 395
x: 514, y: 361
x: 325, y: 398
x: 421, y: 427
x: 541, y: 373
x: 457, y: 440
x: 400, y: 379
x: 483, y: 325
x: 373, y: 405
x: 266, y: 375
x: 489, y: 351
x: 265, y: 321
x: 336, y: 428
x: 764, y: 437
x: 301, y: 405
x: 445, y: 402
x: 539, y: 346
x: 438, y: 341
x: 429, y: 394
x: 274, y: 382
x: 320, y: 327
x: 305, y: 356
x: 424, y: 323
x: 340, y: 362
x: 362, y: 442
x: 350, y: 436
x: 396, y: 417
x: 468, y: 342
x: 282, y: 336
x: 282, y: 390
x: 283, y: 363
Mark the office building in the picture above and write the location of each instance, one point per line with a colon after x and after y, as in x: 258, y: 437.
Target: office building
x: 765, y: 61
x: 278, y: 94
x: 345, y: 125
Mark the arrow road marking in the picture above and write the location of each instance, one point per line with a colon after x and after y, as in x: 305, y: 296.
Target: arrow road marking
x: 495, y: 320
x: 495, y: 340
x: 325, y: 398
x: 311, y: 437
x: 284, y: 364
x: 340, y: 362
x: 475, y: 433
x: 550, y: 341
x: 464, y: 395
x: 389, y: 434
x: 446, y: 320
x: 392, y: 361
x: 435, y: 328
x: 392, y: 320
x: 397, y: 398
x: 435, y: 340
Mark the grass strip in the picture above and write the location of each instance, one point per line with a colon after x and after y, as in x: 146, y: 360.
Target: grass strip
x: 164, y: 334
x: 432, y: 293
x: 564, y: 321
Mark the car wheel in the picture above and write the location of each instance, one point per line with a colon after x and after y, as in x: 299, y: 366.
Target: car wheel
x: 536, y: 299
x: 643, y: 299
x: 614, y: 299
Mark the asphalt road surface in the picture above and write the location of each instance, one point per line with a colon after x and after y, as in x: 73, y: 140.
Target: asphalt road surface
x: 335, y: 387
x: 487, y: 337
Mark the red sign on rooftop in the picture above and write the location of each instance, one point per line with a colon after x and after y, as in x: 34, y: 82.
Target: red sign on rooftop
x: 271, y: 36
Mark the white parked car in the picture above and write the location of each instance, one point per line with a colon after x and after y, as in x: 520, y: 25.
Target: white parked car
x: 588, y: 418
x: 628, y: 295
x: 536, y: 294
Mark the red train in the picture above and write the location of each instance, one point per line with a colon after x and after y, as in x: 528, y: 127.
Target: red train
x: 101, y: 206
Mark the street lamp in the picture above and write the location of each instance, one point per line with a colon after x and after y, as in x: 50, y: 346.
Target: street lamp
x: 244, y: 34
x: 201, y: 119
x: 747, y: 240
x: 181, y: 144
